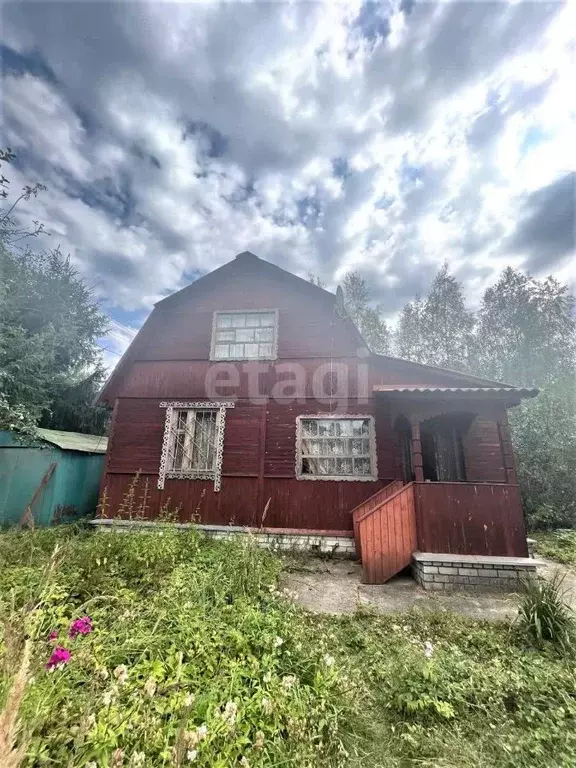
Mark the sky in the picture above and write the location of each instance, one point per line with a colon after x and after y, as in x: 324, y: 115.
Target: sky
x: 325, y: 137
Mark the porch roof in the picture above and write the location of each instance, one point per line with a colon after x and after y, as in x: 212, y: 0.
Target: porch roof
x: 408, y: 389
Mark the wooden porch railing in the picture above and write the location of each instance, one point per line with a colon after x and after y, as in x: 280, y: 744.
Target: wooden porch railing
x: 385, y: 532
x: 371, y: 503
x: 448, y: 518
x: 470, y: 519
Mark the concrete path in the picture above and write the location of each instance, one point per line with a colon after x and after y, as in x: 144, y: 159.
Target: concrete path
x: 335, y: 587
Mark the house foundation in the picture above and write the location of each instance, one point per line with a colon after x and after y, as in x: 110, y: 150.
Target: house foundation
x: 435, y: 571
x: 332, y: 543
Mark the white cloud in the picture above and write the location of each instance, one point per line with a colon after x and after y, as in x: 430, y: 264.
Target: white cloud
x: 185, y: 133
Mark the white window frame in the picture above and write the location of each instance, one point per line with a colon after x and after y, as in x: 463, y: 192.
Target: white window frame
x: 172, y: 408
x: 274, y: 342
x: 339, y: 417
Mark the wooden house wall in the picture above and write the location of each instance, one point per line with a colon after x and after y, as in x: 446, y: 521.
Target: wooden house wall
x: 169, y: 360
x: 258, y: 466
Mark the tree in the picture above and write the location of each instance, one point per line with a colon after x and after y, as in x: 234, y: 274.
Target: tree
x: 526, y: 331
x: 367, y: 318
x: 544, y: 431
x: 315, y: 280
x: 50, y: 363
x: 11, y: 231
x: 439, y: 329
x: 409, y: 336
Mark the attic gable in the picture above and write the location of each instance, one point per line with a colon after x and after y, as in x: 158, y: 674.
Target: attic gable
x: 245, y: 263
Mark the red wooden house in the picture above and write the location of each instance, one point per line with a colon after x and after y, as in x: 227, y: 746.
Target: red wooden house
x: 250, y: 400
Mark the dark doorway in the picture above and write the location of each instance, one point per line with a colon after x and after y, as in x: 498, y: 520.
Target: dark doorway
x: 403, y: 432
x: 443, y: 448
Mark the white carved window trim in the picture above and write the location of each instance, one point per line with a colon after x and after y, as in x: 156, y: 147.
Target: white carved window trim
x: 274, y: 342
x: 171, y: 408
x: 340, y: 416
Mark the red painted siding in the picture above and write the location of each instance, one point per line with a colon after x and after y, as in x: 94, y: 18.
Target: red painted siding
x: 387, y: 535
x: 483, y: 452
x: 470, y: 519
x: 169, y: 361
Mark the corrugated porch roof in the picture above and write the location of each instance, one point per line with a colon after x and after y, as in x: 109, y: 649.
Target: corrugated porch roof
x: 407, y: 389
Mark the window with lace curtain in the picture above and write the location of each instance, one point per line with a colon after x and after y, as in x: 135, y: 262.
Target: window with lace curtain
x: 335, y: 448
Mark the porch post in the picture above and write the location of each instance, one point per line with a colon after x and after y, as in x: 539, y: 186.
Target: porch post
x: 507, y: 453
x: 417, y: 452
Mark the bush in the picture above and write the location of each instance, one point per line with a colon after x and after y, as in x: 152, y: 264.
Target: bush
x: 544, y: 614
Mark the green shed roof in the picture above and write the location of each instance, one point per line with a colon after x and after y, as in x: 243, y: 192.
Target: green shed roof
x: 75, y: 441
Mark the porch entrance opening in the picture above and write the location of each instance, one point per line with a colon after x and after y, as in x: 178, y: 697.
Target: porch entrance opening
x: 442, y: 439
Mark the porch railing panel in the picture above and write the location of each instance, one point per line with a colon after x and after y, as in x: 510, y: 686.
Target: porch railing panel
x: 365, y: 507
x: 470, y: 519
x: 386, y: 535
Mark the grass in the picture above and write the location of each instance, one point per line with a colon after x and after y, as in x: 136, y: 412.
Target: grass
x: 544, y: 612
x: 557, y: 545
x: 196, y: 658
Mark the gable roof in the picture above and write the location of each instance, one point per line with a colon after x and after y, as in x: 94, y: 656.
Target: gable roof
x: 247, y: 263
x: 240, y: 264
x: 244, y: 263
x: 478, y: 381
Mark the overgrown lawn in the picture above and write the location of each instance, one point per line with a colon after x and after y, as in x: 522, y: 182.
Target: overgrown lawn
x: 195, y: 658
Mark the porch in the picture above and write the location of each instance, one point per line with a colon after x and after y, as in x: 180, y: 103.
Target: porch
x: 457, y: 496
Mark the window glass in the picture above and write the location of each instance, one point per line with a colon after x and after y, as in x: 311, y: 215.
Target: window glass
x: 335, y: 447
x: 244, y: 336
x: 193, y: 441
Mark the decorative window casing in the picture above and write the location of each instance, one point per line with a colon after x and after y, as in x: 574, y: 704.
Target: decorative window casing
x: 245, y: 335
x: 193, y: 442
x: 336, y: 448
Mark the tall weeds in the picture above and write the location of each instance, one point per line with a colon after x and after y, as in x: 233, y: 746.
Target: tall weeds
x: 544, y: 613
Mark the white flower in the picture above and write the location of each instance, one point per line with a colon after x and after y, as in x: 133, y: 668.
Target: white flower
x: 278, y: 642
x: 259, y: 743
x: 329, y: 660
x: 91, y: 764
x: 138, y: 758
x: 288, y: 681
x: 191, y: 755
x: 189, y: 700
x: 244, y: 762
x: 150, y: 687
x: 193, y: 738
x: 428, y: 649
x: 267, y: 677
x: 108, y: 697
x: 103, y: 673
x: 267, y: 706
x: 230, y: 712
x: 121, y: 673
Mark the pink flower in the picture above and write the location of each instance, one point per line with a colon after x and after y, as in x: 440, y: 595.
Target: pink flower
x: 81, y: 626
x: 53, y: 635
x: 60, y: 655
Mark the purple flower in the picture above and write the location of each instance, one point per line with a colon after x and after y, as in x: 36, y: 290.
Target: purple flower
x: 60, y: 655
x: 52, y: 636
x: 81, y: 626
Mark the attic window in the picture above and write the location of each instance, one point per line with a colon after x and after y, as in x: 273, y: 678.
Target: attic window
x: 245, y: 335
x: 335, y: 448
